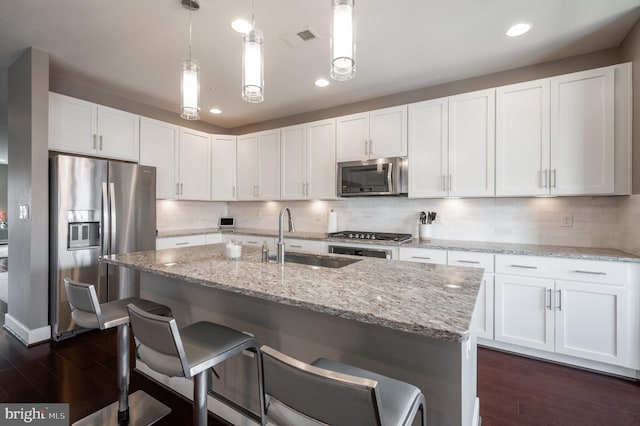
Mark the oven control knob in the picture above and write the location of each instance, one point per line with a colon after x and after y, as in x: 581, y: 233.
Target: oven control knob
x: 368, y: 236
x: 362, y: 236
x: 373, y: 237
x: 350, y: 236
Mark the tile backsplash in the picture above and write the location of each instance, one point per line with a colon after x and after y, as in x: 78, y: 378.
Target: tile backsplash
x: 611, y: 222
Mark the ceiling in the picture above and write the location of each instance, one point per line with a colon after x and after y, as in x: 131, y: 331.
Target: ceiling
x: 134, y: 49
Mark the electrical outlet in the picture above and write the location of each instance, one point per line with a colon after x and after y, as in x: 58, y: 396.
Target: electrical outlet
x: 439, y: 219
x: 566, y: 220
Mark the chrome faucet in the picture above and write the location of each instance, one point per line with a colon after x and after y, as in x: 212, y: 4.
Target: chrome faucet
x: 292, y: 228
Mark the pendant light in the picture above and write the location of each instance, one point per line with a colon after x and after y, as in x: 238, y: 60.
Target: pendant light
x: 190, y: 81
x: 252, y: 63
x: 343, y: 48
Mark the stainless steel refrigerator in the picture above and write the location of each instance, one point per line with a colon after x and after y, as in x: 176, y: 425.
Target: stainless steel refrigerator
x: 97, y: 207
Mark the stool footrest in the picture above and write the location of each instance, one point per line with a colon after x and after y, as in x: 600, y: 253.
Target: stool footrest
x: 143, y: 410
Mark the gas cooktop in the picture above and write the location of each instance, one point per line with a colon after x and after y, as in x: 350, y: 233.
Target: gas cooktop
x: 377, y: 236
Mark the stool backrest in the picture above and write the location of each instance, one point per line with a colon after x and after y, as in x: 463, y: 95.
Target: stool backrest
x: 323, y: 395
x: 158, y: 342
x: 85, y: 307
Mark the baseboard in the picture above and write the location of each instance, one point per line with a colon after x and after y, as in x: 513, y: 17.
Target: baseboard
x: 25, y: 335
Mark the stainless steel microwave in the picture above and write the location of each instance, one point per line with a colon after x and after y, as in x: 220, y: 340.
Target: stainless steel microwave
x: 382, y: 176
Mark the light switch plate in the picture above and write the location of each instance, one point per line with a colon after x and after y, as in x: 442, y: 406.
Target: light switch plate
x: 566, y: 221
x: 24, y: 212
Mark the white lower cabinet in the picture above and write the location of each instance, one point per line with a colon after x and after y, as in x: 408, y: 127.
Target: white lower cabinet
x: 423, y: 255
x: 587, y: 316
x: 296, y: 244
x: 251, y: 240
x: 180, y: 241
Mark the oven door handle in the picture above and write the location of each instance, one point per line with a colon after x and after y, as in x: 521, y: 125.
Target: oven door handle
x: 390, y: 177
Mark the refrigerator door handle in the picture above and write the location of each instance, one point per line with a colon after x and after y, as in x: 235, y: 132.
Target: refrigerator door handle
x: 104, y: 231
x: 112, y: 219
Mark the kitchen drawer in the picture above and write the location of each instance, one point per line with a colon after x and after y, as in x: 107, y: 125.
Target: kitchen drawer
x: 470, y: 259
x: 251, y: 240
x: 213, y: 238
x: 182, y: 241
x: 295, y: 244
x: 564, y: 269
x: 412, y: 254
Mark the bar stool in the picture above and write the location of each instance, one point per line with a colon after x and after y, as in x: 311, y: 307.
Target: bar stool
x: 190, y: 352
x: 330, y: 392
x: 87, y: 312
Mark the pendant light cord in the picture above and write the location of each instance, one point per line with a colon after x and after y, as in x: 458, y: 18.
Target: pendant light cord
x: 190, y: 33
x: 253, y: 16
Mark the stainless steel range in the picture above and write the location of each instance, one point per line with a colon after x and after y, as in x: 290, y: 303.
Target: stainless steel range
x: 367, y: 237
x: 377, y: 236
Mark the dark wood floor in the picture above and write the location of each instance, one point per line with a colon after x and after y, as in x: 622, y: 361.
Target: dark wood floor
x: 80, y: 371
x: 512, y: 390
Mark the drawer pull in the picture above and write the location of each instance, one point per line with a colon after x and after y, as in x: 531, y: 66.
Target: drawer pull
x: 295, y: 246
x: 589, y: 272
x: 182, y: 244
x: 523, y: 266
x: 475, y: 262
x: 421, y: 257
x: 548, y: 292
x: 252, y: 242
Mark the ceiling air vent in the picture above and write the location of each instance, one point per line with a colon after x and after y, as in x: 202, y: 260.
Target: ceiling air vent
x: 299, y: 38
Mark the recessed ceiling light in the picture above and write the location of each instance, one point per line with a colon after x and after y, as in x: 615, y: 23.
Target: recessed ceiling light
x: 215, y: 111
x: 518, y: 29
x: 241, y: 26
x: 321, y: 82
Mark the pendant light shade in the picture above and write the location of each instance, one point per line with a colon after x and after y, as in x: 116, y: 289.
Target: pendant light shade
x: 190, y: 77
x: 343, y: 48
x: 190, y: 89
x: 252, y: 67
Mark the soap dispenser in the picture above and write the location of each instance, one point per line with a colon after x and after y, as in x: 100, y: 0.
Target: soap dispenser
x: 265, y: 252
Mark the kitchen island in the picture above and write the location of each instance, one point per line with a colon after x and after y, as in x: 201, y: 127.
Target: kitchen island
x: 406, y: 320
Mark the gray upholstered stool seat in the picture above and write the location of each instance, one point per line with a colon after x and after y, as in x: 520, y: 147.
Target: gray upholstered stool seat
x: 189, y: 352
x: 331, y: 392
x: 88, y: 312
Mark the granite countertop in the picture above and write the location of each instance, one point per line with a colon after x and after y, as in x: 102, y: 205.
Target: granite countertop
x: 431, y: 300
x: 527, y: 250
x: 473, y: 246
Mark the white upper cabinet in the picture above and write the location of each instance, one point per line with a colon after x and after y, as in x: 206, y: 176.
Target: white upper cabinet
x: 472, y: 144
x: 308, y: 161
x: 223, y: 168
x: 582, y: 133
x: 428, y: 142
x: 194, y: 170
x: 258, y: 173
x: 374, y: 134
x: 566, y: 135
x: 82, y: 127
x: 159, y: 148
x: 522, y: 139
x: 451, y: 146
x: 181, y: 158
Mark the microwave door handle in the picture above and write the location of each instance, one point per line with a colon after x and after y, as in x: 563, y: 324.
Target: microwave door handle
x: 390, y: 177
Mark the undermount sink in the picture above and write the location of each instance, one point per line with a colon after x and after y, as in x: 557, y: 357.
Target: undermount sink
x: 316, y: 260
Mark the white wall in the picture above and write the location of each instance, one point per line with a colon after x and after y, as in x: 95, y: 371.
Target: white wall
x: 177, y: 215
x: 513, y: 220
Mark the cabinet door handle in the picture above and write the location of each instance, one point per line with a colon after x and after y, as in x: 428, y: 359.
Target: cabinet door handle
x: 548, y: 295
x: 304, y: 189
x: 233, y: 191
x: 370, y: 147
x: 307, y: 189
x: 100, y: 142
x: 559, y: 306
x: 366, y: 144
x: 181, y: 188
x: 449, y: 184
x: 475, y: 262
x: 444, y: 188
x: 545, y: 175
x: 589, y: 272
x: 177, y: 188
x: 554, y: 173
x: 523, y: 266
x: 182, y: 244
x: 95, y: 145
x: 421, y: 257
x: 257, y: 190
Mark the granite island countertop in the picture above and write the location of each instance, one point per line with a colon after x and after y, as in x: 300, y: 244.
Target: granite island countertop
x: 436, y: 301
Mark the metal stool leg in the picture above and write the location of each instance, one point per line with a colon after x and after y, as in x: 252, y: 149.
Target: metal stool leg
x: 123, y: 373
x: 263, y: 420
x: 200, y: 385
